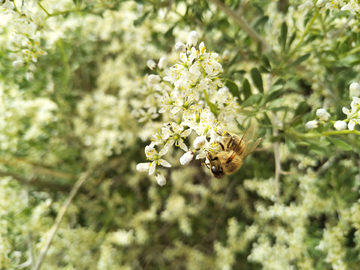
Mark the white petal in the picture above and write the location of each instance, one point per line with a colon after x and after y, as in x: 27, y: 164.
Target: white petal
x: 164, y: 163
x: 345, y: 111
x: 351, y: 124
x: 182, y: 145
x: 186, y: 133
x: 164, y: 151
x: 152, y: 167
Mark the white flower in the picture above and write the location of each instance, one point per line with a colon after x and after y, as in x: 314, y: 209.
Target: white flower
x: 152, y: 154
x: 321, y: 3
x: 186, y: 158
x: 151, y: 64
x: 18, y: 64
x: 312, y: 124
x: 192, y: 40
x: 154, y: 79
x: 354, y: 90
x: 176, y: 136
x: 353, y: 113
x: 180, y: 47
x: 352, y: 7
x: 199, y: 142
x: 160, y: 179
x: 323, y: 114
x: 340, y: 125
x: 163, y: 62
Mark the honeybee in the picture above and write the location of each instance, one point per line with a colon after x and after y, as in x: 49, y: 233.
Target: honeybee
x: 233, y: 151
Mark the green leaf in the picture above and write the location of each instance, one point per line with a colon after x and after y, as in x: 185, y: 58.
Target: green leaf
x: 261, y: 21
x: 273, y: 93
x: 341, y: 144
x: 300, y: 59
x: 283, y: 36
x: 265, y: 61
x: 290, y: 143
x: 301, y: 108
x: 317, y: 148
x: 263, y: 69
x: 212, y: 106
x: 138, y: 22
x: 246, y: 89
x: 234, y: 89
x: 274, y: 105
x: 254, y: 99
x: 291, y: 40
x: 257, y: 79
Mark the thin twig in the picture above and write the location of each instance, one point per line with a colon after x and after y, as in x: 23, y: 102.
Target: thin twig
x: 243, y: 24
x: 59, y: 218
x: 278, y: 170
x: 338, y: 32
x: 277, y: 157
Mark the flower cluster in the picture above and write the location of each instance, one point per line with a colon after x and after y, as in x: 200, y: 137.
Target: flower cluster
x: 193, y: 99
x: 352, y: 114
x: 24, y: 44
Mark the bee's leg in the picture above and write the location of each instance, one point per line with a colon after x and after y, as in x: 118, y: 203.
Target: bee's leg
x: 204, y: 164
x: 219, y: 132
x: 221, y: 145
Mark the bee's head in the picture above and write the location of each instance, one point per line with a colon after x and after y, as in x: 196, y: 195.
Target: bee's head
x: 217, y: 172
x: 215, y: 166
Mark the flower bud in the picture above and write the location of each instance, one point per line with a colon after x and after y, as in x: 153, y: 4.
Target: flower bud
x: 354, y: 90
x: 160, y: 179
x: 18, y: 64
x: 340, y: 125
x: 163, y: 62
x: 13, y: 56
x: 180, y: 47
x: 29, y: 76
x: 199, y: 142
x: 306, y: 5
x: 192, y: 40
x: 154, y: 79
x: 226, y: 55
x: 143, y: 167
x: 312, y: 124
x: 186, y: 158
x: 321, y: 3
x: 151, y: 64
x: 323, y: 114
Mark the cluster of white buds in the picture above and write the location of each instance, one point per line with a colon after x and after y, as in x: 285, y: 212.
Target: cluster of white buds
x: 353, y: 116
x: 192, y: 98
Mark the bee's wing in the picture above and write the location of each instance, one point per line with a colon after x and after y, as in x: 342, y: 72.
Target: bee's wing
x: 248, y: 135
x: 251, y: 147
x: 247, y: 138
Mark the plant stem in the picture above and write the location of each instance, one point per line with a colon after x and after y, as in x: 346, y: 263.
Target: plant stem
x: 307, y: 29
x: 60, y: 217
x: 325, y: 133
x: 41, y: 6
